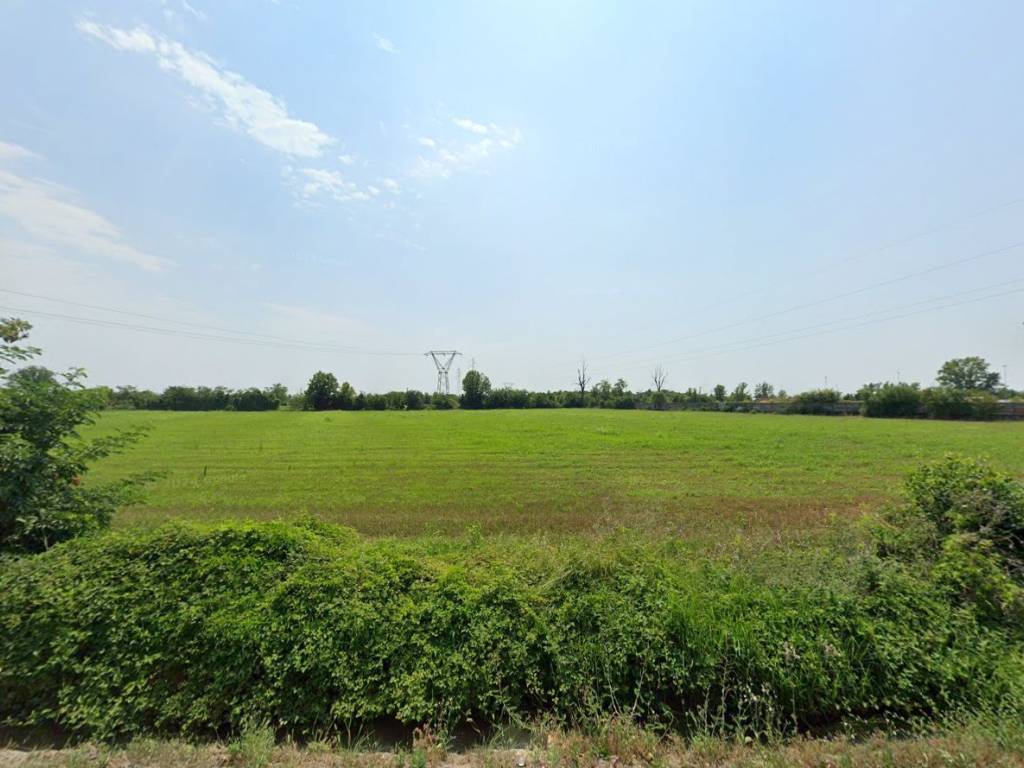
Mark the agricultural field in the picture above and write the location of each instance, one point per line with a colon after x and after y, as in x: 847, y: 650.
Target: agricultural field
x: 564, y: 471
x: 588, y: 584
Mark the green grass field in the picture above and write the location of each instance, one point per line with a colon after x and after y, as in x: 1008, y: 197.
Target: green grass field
x: 695, y: 474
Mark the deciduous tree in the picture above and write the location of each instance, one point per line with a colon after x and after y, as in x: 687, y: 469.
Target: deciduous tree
x: 43, y: 458
x: 321, y: 391
x: 967, y: 373
x: 475, y: 387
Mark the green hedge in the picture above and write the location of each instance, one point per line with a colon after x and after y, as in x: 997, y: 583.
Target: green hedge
x: 197, y: 630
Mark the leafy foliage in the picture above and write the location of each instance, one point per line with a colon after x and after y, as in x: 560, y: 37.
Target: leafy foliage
x: 253, y: 399
x: 322, y: 391
x: 42, y: 458
x: 888, y: 400
x: 311, y: 629
x: 475, y: 388
x: 815, y: 401
x: 13, y: 330
x: 963, y: 524
x: 949, y: 403
x: 967, y: 373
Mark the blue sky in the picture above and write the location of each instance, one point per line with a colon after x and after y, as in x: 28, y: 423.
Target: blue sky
x: 706, y: 186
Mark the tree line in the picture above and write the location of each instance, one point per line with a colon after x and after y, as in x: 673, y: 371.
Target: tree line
x: 967, y: 388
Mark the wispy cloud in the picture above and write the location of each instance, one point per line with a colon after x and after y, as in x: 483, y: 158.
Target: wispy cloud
x: 460, y: 155
x: 391, y: 185
x: 15, y: 152
x: 171, y: 14
x: 384, y: 44
x: 311, y: 185
x: 238, y: 102
x: 195, y: 12
x: 347, y: 159
x: 429, y: 168
x: 469, y: 125
x: 44, y: 212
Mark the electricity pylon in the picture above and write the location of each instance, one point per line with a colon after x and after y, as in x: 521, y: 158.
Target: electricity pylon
x: 443, y: 360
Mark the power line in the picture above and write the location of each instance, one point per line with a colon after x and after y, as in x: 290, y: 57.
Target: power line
x: 918, y: 235
x: 691, y: 357
x: 159, y: 318
x: 877, y: 250
x: 819, y: 302
x: 164, y: 319
x: 815, y: 326
x: 283, y: 344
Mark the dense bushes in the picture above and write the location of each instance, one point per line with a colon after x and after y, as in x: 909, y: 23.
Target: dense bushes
x: 252, y: 399
x: 313, y: 629
x: 908, y: 401
x: 816, y: 401
x: 893, y: 401
x: 180, y: 398
x: 947, y: 403
x: 963, y: 525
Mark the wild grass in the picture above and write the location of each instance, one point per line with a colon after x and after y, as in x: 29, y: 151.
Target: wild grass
x: 703, y: 476
x: 979, y: 742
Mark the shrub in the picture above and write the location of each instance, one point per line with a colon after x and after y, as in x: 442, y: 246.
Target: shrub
x: 543, y: 400
x: 193, y: 399
x: 892, y: 401
x: 440, y: 402
x: 963, y: 524
x: 253, y: 399
x: 312, y: 629
x: 948, y: 403
x: 815, y: 401
x: 414, y: 400
x: 506, y: 397
x: 962, y: 496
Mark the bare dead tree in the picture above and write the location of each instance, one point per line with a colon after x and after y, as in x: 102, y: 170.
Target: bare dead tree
x: 582, y: 376
x: 658, y: 376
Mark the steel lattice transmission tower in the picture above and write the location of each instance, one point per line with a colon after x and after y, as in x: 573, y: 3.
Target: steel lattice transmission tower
x: 443, y: 360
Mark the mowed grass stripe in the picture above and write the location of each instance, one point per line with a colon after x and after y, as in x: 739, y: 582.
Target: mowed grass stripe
x: 526, y: 471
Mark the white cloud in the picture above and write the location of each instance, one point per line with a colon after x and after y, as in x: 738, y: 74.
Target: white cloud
x: 384, y: 44
x: 373, y: 190
x: 347, y: 159
x: 311, y: 184
x: 15, y: 152
x: 465, y: 155
x: 466, y: 124
x: 391, y: 185
x: 239, y: 103
x: 427, y: 142
x: 44, y: 212
x: 426, y: 168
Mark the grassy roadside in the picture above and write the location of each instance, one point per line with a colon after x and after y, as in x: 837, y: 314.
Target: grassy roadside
x: 980, y: 742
